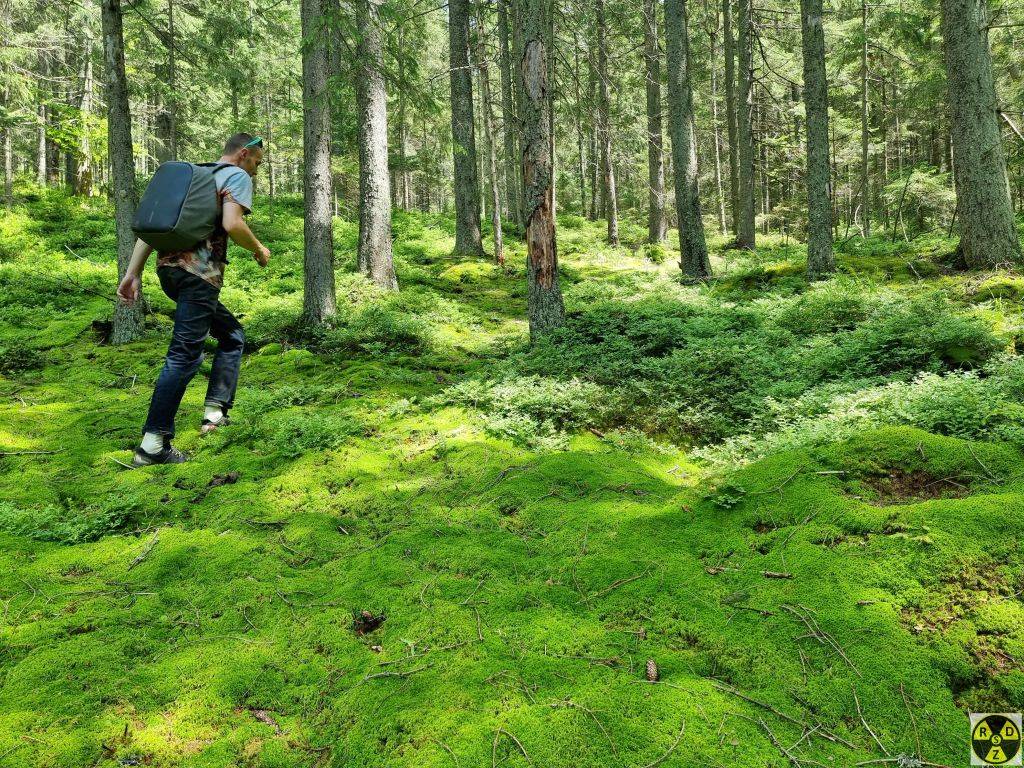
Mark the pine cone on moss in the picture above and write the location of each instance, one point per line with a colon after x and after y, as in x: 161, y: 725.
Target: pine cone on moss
x: 652, y: 671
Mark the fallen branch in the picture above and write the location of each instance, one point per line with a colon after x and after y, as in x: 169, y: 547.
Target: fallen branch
x: 671, y: 749
x: 145, y: 553
x: 389, y: 673
x: 988, y: 472
x: 447, y: 749
x: 867, y: 727
x: 777, y: 744
x: 777, y: 575
x: 826, y: 734
x: 819, y: 634
x: 913, y: 720
x: 572, y: 704
x: 494, y: 746
x: 29, y: 453
x: 615, y: 585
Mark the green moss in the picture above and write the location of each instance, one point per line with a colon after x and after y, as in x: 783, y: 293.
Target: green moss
x: 169, y: 617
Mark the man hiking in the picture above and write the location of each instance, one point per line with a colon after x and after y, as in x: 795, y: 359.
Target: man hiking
x: 193, y: 279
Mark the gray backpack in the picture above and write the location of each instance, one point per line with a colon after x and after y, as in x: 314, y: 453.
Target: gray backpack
x: 180, y: 207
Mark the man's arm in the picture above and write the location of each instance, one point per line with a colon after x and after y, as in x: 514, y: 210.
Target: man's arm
x: 131, y: 283
x: 233, y: 221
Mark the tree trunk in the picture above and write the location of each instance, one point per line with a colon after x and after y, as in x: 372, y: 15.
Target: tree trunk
x: 489, y: 138
x: 8, y: 169
x: 596, y: 204
x: 581, y: 160
x: 467, y: 184
x: 544, y: 295
x: 730, y: 111
x: 513, y: 210
x: 8, y: 149
x: 172, y: 81
x: 318, y: 300
x: 655, y: 157
x: 716, y: 130
x: 693, y: 250
x: 405, y: 198
x: 83, y: 170
x: 128, y: 321
x: 269, y: 151
x: 375, y: 255
x: 41, y: 121
x: 865, y: 134
x: 604, y: 127
x: 745, y: 234
x: 988, y: 235
x: 820, y: 261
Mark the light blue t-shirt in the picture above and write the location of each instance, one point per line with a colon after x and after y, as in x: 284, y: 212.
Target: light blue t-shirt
x: 238, y: 183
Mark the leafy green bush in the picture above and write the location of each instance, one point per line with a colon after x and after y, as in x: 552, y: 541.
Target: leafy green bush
x: 53, y: 523
x: 700, y: 372
x: 295, y: 432
x: 530, y: 410
x: 17, y: 357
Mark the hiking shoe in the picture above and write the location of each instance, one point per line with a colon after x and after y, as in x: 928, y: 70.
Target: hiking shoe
x: 212, y: 426
x: 168, y: 455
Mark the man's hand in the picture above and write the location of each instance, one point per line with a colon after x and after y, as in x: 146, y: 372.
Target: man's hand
x: 262, y: 255
x: 128, y: 290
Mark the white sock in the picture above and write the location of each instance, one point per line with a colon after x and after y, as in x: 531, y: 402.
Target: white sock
x: 214, y: 413
x: 152, y: 442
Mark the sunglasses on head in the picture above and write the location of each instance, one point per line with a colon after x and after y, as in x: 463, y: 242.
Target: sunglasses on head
x: 257, y: 141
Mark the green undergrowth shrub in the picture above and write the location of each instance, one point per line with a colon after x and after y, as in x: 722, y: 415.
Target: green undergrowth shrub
x: 980, y: 405
x: 368, y: 324
x: 699, y: 372
x: 69, y: 525
x: 530, y: 410
x: 17, y: 357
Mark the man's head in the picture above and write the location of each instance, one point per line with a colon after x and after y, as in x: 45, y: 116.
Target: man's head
x: 245, y: 151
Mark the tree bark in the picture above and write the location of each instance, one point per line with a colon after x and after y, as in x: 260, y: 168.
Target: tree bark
x: 730, y: 111
x: 468, y: 240
x: 988, y: 235
x: 596, y: 203
x: 405, y: 199
x: 41, y: 121
x: 865, y: 133
x: 604, y: 127
x: 83, y: 168
x: 489, y: 138
x: 693, y: 250
x: 319, y: 301
x: 716, y: 128
x: 8, y: 149
x: 513, y: 210
x: 544, y: 295
x: 745, y: 229
x: 820, y: 260
x: 128, y: 321
x: 655, y: 152
x: 375, y: 253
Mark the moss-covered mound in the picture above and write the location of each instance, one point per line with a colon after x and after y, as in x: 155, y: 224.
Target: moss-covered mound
x: 752, y: 523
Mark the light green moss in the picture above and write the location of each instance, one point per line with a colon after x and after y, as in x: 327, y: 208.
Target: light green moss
x: 198, y: 625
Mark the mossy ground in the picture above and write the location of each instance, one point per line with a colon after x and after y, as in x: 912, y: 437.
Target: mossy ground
x: 182, y: 616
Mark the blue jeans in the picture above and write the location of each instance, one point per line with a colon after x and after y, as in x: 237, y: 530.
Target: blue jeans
x: 199, y: 314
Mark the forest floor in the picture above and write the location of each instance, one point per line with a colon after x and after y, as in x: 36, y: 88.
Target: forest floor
x: 801, y: 503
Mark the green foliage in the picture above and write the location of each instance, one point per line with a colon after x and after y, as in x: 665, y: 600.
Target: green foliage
x: 68, y: 526
x: 17, y: 357
x: 921, y: 198
x: 530, y: 520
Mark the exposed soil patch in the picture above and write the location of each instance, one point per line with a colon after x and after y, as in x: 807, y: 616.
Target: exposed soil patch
x: 899, y: 486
